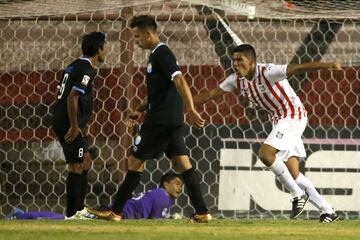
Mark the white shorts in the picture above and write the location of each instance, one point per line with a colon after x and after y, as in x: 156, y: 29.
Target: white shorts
x: 286, y: 137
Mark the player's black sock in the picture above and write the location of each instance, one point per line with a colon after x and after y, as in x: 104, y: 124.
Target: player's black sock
x: 84, y: 186
x: 124, y: 192
x: 73, y: 192
x: 192, y: 183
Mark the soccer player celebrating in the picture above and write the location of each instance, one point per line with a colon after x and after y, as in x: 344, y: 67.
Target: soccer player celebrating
x: 153, y: 204
x: 267, y: 87
x: 163, y: 127
x: 71, y: 115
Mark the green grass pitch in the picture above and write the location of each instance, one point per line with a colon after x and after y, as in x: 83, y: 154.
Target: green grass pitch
x: 180, y: 229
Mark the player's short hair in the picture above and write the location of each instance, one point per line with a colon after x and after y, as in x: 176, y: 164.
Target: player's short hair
x: 247, y: 49
x: 167, y: 177
x: 144, y: 22
x: 92, y: 43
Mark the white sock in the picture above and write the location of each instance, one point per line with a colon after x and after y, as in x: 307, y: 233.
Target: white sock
x: 284, y: 176
x: 69, y: 218
x: 315, y: 198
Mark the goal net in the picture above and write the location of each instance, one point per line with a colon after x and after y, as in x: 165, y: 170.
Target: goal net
x: 39, y: 38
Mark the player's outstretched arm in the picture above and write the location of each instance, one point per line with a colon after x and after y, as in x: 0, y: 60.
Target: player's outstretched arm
x: 208, y: 95
x: 183, y: 88
x: 294, y: 69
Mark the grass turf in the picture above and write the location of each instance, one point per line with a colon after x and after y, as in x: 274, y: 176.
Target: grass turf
x: 179, y: 229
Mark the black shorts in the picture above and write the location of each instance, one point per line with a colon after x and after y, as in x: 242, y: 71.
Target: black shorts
x: 74, y: 151
x: 154, y: 139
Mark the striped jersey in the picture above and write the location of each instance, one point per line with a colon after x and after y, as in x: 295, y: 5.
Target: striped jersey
x: 268, y: 89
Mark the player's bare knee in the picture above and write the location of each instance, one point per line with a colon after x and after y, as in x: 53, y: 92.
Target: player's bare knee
x: 262, y: 154
x: 292, y: 165
x: 135, y: 164
x: 75, y: 168
x: 87, y: 161
x: 266, y: 155
x: 87, y: 165
x: 181, y: 163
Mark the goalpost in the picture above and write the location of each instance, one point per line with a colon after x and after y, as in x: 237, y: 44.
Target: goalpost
x: 38, y: 40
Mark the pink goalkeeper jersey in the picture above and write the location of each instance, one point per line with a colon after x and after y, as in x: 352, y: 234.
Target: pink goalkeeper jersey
x: 269, y: 89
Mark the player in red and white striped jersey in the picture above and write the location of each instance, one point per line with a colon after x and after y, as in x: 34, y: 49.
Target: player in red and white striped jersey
x: 266, y: 86
x: 268, y: 89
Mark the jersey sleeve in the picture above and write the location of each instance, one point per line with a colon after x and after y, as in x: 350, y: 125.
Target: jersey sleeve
x: 229, y: 84
x: 275, y: 73
x: 82, y: 80
x: 167, y: 63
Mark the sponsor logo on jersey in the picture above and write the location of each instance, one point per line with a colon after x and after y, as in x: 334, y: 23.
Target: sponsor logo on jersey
x: 244, y: 91
x: 85, y: 80
x: 137, y: 140
x: 279, y: 135
x: 262, y: 88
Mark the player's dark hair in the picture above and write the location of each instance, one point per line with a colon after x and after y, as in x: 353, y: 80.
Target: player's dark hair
x: 92, y: 43
x: 167, y: 177
x: 247, y: 49
x: 144, y: 22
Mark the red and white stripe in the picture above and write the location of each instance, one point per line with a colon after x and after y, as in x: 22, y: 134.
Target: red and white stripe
x: 279, y: 99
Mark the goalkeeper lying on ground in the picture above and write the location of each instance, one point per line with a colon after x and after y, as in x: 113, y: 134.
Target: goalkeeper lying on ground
x: 152, y: 204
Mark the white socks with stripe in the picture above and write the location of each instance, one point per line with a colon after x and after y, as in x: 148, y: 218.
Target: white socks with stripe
x: 280, y: 170
x: 315, y: 198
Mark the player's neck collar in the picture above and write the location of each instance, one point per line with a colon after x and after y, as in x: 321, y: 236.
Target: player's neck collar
x: 158, y: 45
x: 86, y: 59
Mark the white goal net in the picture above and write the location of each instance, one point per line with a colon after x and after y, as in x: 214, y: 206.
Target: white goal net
x: 39, y: 38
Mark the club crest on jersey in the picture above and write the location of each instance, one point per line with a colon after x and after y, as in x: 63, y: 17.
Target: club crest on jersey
x: 244, y: 91
x: 137, y: 140
x: 85, y: 80
x: 262, y: 88
x: 149, y: 68
x: 279, y: 135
